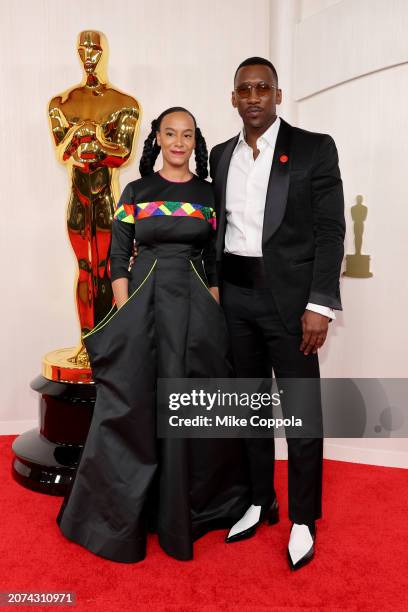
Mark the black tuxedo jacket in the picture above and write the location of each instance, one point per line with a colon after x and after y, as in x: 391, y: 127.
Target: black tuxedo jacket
x: 303, y: 227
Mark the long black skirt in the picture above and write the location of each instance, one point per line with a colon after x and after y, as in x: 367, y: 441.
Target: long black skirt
x: 128, y: 481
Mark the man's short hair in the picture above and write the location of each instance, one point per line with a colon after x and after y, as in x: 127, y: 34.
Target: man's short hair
x: 254, y: 61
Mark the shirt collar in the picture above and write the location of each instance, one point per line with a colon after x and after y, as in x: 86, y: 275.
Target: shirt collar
x: 269, y: 136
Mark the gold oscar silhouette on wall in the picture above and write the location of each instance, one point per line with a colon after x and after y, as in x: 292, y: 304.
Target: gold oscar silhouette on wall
x: 94, y: 128
x: 358, y: 265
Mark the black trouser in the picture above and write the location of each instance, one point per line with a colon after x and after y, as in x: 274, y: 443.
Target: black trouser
x: 261, y: 343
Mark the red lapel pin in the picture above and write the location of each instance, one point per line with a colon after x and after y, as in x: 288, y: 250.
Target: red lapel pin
x: 283, y: 159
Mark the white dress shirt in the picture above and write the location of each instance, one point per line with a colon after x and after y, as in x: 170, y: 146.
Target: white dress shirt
x: 247, y: 184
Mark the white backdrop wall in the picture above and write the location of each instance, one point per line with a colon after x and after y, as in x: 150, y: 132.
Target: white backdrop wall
x: 343, y: 67
x: 351, y: 81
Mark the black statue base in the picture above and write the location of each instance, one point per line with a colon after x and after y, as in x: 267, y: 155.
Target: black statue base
x: 46, y: 458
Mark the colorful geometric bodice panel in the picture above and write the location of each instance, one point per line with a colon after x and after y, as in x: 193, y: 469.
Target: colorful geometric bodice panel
x: 128, y: 213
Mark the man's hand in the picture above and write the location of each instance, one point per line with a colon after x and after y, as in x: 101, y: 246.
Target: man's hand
x: 134, y: 254
x: 315, y: 327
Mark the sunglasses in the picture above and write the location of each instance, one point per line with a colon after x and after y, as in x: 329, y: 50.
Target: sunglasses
x: 261, y: 89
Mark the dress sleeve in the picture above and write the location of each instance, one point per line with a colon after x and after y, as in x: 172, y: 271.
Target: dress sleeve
x: 123, y: 233
x: 209, y: 252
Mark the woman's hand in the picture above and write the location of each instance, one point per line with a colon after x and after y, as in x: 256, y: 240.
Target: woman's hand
x: 121, y: 303
x: 215, y: 293
x: 120, y: 291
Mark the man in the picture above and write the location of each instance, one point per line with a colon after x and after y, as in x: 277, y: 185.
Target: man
x: 281, y: 227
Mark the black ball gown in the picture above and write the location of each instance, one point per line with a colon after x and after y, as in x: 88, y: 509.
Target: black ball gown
x: 128, y: 481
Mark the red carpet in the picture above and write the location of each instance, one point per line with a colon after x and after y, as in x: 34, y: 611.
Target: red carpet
x: 361, y: 561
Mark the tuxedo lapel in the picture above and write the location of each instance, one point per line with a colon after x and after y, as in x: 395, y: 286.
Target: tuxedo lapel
x: 278, y: 184
x: 221, y: 176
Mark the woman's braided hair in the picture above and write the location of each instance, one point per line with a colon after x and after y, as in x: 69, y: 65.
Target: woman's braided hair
x: 151, y: 149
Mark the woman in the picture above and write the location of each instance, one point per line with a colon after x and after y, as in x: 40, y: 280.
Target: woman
x: 166, y: 323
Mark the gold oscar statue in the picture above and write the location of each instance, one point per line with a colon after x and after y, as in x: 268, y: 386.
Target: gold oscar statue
x: 94, y: 128
x: 358, y: 265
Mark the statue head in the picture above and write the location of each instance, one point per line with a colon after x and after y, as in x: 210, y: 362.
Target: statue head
x: 93, y: 52
x: 359, y: 199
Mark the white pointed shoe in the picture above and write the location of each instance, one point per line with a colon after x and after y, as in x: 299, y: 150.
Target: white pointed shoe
x: 246, y: 526
x: 301, y: 545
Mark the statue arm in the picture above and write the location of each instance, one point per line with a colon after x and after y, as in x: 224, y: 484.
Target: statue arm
x: 116, y: 136
x: 62, y: 133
